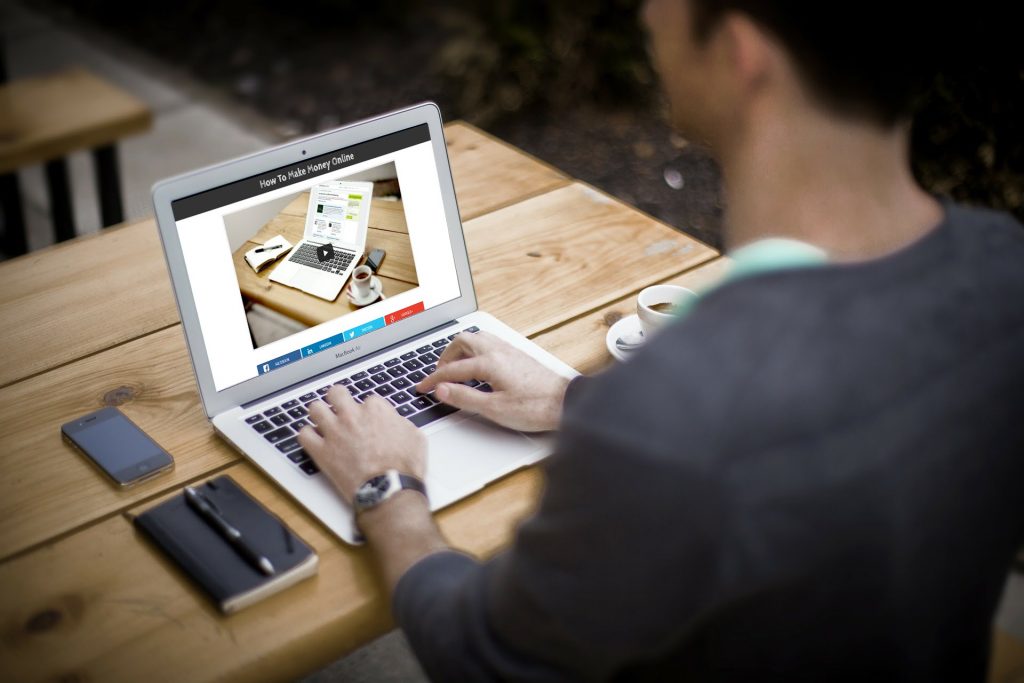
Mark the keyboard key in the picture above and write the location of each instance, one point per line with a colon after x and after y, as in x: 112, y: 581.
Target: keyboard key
x: 288, y: 445
x: 424, y: 349
x: 280, y: 420
x: 309, y: 467
x: 305, y: 398
x: 298, y: 412
x: 401, y: 383
x: 451, y: 336
x: 416, y: 377
x: 381, y: 378
x: 385, y: 390
x: 397, y: 371
x: 261, y: 427
x: 323, y: 390
x: 290, y: 404
x: 365, y: 384
x: 375, y: 369
x: 401, y: 397
x: 298, y: 425
x: 472, y: 382
x: 353, y: 390
x: 363, y: 397
x: 392, y: 362
x: 474, y: 328
x: 253, y: 419
x: 430, y: 369
x: 405, y: 410
x: 360, y: 375
x: 298, y: 456
x: 435, y: 412
x: 421, y: 403
x: 272, y: 411
x: 439, y: 343
x: 485, y: 387
x: 345, y: 382
x: 278, y: 435
x: 428, y: 358
x: 408, y: 356
x: 412, y: 364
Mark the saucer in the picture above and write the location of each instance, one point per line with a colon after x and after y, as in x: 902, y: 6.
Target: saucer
x: 376, y: 292
x: 626, y: 327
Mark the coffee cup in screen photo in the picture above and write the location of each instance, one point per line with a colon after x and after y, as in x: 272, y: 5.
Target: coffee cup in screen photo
x: 362, y: 282
x: 660, y: 304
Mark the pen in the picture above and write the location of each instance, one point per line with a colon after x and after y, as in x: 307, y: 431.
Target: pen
x: 276, y: 246
x: 233, y: 536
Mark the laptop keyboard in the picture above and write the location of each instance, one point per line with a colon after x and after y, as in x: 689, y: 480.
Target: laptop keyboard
x: 305, y: 255
x: 394, y: 379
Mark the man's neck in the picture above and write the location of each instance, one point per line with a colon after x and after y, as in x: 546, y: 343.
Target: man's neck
x: 844, y: 187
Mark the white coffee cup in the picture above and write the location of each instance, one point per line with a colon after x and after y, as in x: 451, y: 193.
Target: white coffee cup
x: 362, y: 282
x: 659, y: 305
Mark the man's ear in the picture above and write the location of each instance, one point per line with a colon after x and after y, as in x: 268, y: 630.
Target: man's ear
x: 750, y: 51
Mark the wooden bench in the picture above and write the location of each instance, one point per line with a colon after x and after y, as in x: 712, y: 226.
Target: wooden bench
x: 45, y: 118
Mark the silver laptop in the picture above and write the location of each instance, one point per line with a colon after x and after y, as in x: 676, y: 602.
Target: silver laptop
x: 257, y: 367
x: 337, y: 215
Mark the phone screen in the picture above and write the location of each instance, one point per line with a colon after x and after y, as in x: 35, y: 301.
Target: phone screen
x: 114, y: 443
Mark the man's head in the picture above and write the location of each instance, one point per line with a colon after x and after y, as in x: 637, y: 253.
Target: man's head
x: 867, y: 61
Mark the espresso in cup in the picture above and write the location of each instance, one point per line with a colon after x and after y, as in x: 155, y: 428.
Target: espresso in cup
x: 658, y: 305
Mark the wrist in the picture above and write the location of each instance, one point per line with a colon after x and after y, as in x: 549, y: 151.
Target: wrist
x: 406, y: 510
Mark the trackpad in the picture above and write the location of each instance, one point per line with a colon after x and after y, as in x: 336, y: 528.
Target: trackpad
x: 469, y: 454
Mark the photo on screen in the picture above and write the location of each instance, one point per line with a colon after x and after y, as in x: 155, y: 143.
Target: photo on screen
x: 297, y: 281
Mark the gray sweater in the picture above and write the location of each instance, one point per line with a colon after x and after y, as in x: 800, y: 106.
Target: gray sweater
x: 817, y: 475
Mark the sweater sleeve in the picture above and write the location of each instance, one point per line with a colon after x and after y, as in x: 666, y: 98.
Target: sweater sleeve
x: 621, y: 558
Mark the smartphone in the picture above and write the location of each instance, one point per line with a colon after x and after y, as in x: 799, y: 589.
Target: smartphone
x: 374, y: 259
x: 117, y: 446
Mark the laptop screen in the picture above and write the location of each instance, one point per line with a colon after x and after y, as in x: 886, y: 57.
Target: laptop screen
x: 270, y: 258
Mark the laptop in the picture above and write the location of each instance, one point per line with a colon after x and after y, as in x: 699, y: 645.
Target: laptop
x: 256, y: 380
x: 333, y: 240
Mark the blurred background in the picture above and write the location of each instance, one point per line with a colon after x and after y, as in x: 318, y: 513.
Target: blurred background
x: 567, y: 82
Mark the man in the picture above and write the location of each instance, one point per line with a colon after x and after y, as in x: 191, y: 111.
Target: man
x: 815, y: 475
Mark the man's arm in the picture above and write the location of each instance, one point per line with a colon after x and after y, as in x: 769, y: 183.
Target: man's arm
x: 348, y: 446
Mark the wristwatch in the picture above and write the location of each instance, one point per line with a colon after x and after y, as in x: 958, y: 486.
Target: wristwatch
x: 378, y: 489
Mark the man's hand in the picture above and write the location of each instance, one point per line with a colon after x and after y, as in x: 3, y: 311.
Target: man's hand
x: 527, y: 396
x: 355, y: 442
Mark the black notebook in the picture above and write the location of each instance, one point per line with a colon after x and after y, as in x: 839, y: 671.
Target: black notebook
x: 211, y: 562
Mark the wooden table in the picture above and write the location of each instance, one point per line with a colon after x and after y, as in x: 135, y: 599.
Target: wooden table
x: 387, y: 230
x: 92, y: 322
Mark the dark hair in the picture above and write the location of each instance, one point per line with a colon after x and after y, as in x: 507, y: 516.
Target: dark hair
x: 869, y: 59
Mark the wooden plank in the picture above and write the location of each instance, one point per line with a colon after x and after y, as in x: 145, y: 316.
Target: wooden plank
x: 547, y: 259
x: 46, y: 488
x: 80, y: 297
x: 491, y: 174
x: 581, y: 342
x: 71, y: 610
x: 1007, y: 664
x: 71, y: 287
x: 45, y: 117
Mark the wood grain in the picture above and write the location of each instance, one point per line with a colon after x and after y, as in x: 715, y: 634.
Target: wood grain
x: 75, y: 286
x: 45, y: 117
x: 70, y: 612
x: 491, y: 174
x: 46, y: 488
x: 581, y: 342
x: 547, y: 259
x: 80, y: 297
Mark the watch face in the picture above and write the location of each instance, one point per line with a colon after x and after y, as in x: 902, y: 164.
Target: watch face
x: 372, y: 492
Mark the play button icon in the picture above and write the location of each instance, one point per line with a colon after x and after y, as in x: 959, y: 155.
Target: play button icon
x: 325, y: 252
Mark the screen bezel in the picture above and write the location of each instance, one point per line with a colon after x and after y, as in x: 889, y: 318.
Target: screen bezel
x: 139, y: 470
x: 167, y: 191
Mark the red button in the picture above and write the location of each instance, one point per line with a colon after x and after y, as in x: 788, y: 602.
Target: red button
x: 392, y: 318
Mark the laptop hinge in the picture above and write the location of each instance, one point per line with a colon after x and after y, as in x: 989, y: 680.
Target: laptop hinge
x: 308, y: 380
